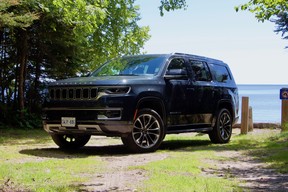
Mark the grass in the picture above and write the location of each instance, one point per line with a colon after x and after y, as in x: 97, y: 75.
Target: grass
x: 275, y: 152
x: 188, y: 157
x: 12, y: 136
x: 30, y: 161
x: 24, y: 168
x: 49, y: 175
x: 271, y: 148
x: 183, y: 172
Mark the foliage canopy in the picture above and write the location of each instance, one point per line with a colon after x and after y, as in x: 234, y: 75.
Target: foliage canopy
x: 272, y: 10
x: 42, y: 40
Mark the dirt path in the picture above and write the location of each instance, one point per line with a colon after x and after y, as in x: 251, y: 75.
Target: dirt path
x: 253, y: 174
x: 118, y: 176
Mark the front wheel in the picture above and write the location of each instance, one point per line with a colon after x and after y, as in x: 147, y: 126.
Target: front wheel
x: 70, y: 141
x: 222, y: 130
x: 147, y: 133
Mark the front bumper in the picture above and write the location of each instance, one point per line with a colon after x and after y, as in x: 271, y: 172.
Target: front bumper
x: 108, y: 128
x: 91, y: 121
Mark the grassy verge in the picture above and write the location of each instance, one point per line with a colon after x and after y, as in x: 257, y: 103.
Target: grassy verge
x: 183, y: 170
x: 269, y: 147
x: 44, y: 168
x: 29, y: 161
x: 188, y: 157
x: 48, y: 175
x: 273, y: 151
x: 11, y: 136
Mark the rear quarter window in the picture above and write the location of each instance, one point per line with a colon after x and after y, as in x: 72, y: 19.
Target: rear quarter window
x: 220, y: 73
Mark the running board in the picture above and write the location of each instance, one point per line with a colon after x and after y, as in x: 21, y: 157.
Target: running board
x: 207, y: 129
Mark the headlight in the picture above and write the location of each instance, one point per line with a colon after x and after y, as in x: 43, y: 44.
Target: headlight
x: 114, y: 90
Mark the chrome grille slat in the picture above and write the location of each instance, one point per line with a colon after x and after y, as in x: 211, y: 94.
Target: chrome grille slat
x: 73, y: 93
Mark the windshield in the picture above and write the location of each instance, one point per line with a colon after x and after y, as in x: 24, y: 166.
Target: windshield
x: 129, y: 66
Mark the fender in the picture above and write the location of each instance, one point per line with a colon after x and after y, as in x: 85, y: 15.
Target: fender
x: 152, y: 102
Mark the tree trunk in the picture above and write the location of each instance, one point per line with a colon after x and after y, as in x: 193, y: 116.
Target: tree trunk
x: 22, y: 54
x: 2, y: 66
x: 15, y: 104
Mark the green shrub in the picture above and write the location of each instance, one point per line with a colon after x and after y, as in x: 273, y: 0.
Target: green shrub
x: 20, y: 119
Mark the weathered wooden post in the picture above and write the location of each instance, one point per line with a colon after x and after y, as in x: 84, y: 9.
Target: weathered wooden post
x: 250, y: 124
x: 244, y: 115
x: 284, y: 113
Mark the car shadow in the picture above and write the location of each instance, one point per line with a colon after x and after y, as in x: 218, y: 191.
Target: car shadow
x: 51, y: 152
x: 110, y: 150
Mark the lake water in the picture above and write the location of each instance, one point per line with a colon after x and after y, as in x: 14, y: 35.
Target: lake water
x: 264, y: 100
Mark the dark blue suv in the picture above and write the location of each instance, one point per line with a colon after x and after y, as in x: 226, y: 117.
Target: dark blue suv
x: 141, y: 99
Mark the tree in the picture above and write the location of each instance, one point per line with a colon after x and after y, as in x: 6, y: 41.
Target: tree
x: 272, y: 10
x: 171, y: 5
x: 110, y: 40
x: 281, y: 24
x: 60, y: 39
x: 265, y: 9
x: 18, y: 16
x: 102, y: 29
x: 14, y: 13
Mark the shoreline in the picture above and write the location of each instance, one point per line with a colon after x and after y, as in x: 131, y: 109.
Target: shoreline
x: 260, y: 125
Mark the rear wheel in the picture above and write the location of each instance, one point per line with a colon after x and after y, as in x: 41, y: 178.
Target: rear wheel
x: 222, y: 130
x: 71, y: 141
x: 147, y: 133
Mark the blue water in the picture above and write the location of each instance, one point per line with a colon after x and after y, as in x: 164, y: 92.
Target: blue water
x: 264, y: 100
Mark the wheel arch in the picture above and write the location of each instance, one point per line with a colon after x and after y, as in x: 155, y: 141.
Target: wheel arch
x: 153, y: 103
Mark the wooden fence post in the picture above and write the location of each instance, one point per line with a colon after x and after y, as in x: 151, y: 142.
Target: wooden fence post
x: 244, y: 115
x: 250, y: 124
x: 284, y: 115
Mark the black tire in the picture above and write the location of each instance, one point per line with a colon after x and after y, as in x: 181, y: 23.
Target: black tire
x: 147, y: 133
x: 222, y: 130
x: 70, y: 141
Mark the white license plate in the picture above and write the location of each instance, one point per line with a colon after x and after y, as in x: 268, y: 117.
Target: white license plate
x: 68, y: 121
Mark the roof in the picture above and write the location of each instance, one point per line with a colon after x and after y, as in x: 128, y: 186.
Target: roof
x: 199, y: 57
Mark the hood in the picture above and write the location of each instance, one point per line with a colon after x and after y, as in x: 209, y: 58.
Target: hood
x: 105, y: 80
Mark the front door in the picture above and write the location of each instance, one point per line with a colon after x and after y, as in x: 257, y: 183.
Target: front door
x: 202, y: 99
x: 177, y: 92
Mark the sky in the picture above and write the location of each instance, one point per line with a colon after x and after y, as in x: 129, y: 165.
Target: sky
x: 254, y: 52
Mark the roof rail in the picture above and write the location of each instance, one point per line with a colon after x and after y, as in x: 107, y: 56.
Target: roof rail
x: 197, y: 56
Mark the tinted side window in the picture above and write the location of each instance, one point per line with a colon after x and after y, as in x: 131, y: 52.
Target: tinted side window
x: 200, y: 70
x: 177, y: 64
x: 221, y: 73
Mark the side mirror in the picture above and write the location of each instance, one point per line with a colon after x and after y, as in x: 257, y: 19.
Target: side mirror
x: 176, y: 74
x: 87, y: 74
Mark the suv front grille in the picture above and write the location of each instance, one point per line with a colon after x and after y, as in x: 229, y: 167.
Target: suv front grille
x: 73, y: 93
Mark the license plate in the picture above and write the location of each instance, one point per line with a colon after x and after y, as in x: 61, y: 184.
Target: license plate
x: 68, y: 121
